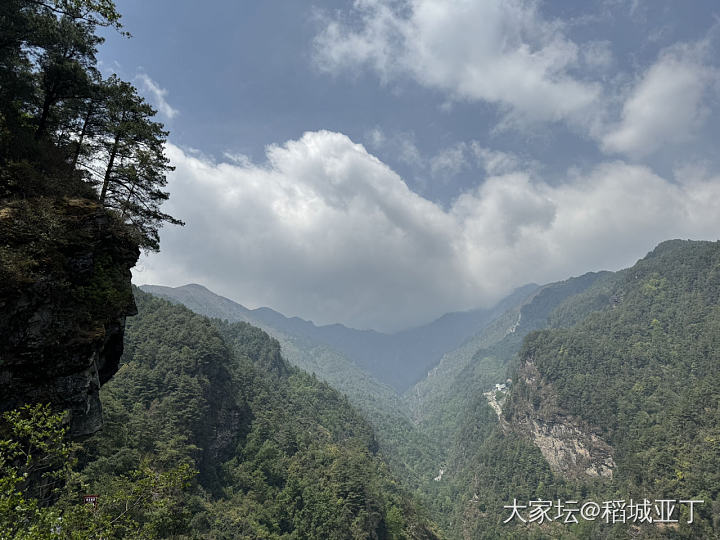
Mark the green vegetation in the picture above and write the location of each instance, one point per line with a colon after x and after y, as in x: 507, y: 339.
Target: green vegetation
x: 211, y: 433
x: 67, y: 132
x: 413, y: 456
x: 41, y: 497
x: 643, y: 372
x: 632, y: 355
x: 278, y: 454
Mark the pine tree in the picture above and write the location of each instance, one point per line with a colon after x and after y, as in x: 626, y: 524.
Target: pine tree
x: 136, y: 165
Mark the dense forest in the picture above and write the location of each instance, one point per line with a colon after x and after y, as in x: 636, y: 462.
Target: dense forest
x: 630, y: 357
x: 656, y: 413
x: 209, y: 433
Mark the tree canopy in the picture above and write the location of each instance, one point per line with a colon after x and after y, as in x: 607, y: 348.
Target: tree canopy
x: 65, y: 124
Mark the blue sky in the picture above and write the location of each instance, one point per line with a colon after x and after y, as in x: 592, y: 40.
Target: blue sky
x: 381, y: 162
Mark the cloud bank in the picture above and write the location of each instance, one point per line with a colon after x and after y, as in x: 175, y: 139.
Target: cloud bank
x: 500, y: 51
x: 326, y: 231
x: 666, y: 106
x: 507, y: 54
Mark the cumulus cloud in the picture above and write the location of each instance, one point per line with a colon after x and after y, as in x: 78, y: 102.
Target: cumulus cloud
x: 157, y: 96
x: 326, y: 231
x: 497, y: 51
x: 666, y: 105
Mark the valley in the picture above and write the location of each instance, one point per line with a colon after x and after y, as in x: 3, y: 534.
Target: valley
x: 484, y: 205
x: 455, y: 420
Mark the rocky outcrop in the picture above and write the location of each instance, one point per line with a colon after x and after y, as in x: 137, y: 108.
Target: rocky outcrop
x: 64, y: 294
x: 571, y: 447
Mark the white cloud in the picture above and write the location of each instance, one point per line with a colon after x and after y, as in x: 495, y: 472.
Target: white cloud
x: 326, y: 231
x: 238, y: 158
x: 377, y: 138
x: 666, y: 106
x: 498, y: 51
x: 408, y: 152
x: 400, y: 144
x: 157, y: 96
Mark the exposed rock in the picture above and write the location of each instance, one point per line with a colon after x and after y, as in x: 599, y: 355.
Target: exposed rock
x: 569, y: 446
x: 496, y: 405
x: 64, y: 294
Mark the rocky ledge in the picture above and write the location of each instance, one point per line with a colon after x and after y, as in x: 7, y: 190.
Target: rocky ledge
x: 64, y: 294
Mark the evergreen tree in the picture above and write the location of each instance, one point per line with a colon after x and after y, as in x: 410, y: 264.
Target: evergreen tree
x: 136, y: 165
x: 57, y: 114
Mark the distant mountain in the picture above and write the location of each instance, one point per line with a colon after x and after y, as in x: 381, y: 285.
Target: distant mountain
x: 399, y: 360
x: 438, y: 402
x: 336, y: 355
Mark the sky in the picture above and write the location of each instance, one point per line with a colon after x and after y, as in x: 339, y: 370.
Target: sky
x: 379, y: 163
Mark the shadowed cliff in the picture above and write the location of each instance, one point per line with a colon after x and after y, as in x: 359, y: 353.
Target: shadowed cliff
x: 64, y: 294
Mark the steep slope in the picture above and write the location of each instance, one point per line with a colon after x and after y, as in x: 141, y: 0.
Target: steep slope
x: 279, y: 453
x: 64, y: 295
x: 412, y: 455
x: 641, y: 373
x: 312, y: 356
x: 438, y: 402
x: 619, y: 399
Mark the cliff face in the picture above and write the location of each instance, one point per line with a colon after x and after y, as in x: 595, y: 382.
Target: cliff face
x: 569, y: 445
x: 64, y: 294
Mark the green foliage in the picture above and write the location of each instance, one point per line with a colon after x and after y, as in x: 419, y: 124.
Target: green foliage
x: 279, y: 454
x: 33, y: 459
x: 41, y: 497
x: 412, y: 455
x: 643, y: 373
x: 632, y: 354
x: 146, y: 503
x: 59, y: 120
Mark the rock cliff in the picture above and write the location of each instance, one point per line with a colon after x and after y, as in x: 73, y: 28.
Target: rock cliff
x: 64, y: 294
x: 569, y: 445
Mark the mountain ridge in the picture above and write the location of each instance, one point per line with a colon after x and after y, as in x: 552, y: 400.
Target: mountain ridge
x: 399, y: 359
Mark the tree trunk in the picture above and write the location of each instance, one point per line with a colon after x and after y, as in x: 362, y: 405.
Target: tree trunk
x: 108, y: 171
x: 42, y: 125
x: 82, y: 136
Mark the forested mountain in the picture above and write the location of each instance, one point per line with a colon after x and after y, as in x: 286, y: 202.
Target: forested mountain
x: 612, y: 397
x: 398, y: 360
x: 311, y: 356
x: 602, y: 388
x: 617, y: 399
x: 439, y: 401
x: 278, y: 453
x: 414, y: 455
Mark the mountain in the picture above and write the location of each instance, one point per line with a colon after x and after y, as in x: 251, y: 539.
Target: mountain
x: 312, y: 356
x: 614, y: 397
x: 278, y: 453
x: 414, y: 454
x: 399, y: 359
x: 438, y: 401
